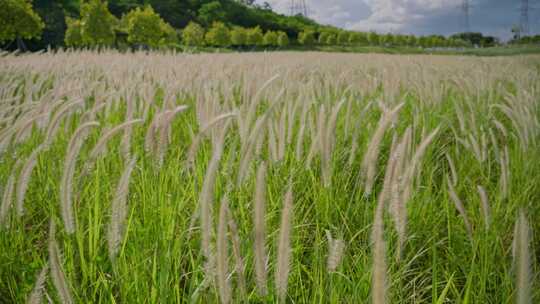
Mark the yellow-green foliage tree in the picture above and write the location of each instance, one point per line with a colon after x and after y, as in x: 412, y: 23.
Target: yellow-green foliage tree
x: 306, y: 37
x: 238, y: 36
x: 270, y: 38
x: 145, y: 27
x: 73, y: 35
x: 193, y: 35
x: 343, y: 38
x: 255, y: 36
x: 323, y: 37
x: 218, y: 35
x: 97, y: 24
x: 18, y: 21
x: 331, y: 39
x: 282, y: 39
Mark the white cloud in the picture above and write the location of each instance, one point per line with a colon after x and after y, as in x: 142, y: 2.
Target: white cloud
x: 494, y: 17
x: 396, y: 15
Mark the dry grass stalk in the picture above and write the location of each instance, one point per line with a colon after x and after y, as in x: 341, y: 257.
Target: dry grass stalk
x: 119, y: 211
x: 259, y: 227
x: 522, y: 259
x: 284, y: 246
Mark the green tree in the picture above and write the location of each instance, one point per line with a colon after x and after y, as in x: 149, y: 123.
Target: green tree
x: 238, y: 36
x: 323, y: 37
x: 270, y: 38
x: 306, y: 37
x: 282, y: 39
x: 97, y: 24
x: 18, y: 21
x: 218, y: 35
x: 343, y: 38
x: 193, y: 35
x: 255, y: 36
x: 358, y: 38
x: 411, y: 40
x: 73, y: 36
x: 145, y: 27
x: 331, y: 39
x: 211, y: 12
x: 373, y: 38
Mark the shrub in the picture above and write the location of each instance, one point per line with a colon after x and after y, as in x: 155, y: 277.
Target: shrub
x: 193, y: 35
x: 218, y: 35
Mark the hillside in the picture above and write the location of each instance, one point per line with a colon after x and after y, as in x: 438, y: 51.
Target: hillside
x: 178, y: 13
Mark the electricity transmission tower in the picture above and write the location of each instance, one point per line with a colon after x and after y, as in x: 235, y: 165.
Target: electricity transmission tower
x: 465, y: 7
x: 298, y: 7
x: 524, y: 19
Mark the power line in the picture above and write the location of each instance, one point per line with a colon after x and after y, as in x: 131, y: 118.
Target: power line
x: 298, y: 7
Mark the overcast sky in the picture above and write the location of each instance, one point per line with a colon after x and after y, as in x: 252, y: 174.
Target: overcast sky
x: 494, y: 17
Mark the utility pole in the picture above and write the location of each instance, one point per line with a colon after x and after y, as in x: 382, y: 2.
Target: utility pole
x: 465, y: 8
x: 524, y: 20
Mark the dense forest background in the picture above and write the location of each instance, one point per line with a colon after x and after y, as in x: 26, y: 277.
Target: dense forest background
x: 40, y: 24
x: 177, y: 13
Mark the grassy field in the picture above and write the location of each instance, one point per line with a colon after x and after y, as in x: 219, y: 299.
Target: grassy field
x: 269, y: 177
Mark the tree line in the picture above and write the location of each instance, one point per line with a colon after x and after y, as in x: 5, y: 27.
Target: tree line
x: 180, y: 23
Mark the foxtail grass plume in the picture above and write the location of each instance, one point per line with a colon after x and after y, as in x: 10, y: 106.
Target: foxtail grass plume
x: 66, y: 185
x: 259, y: 226
x: 459, y: 206
x: 369, y: 162
x: 486, y: 210
x: 222, y: 253
x: 522, y: 260
x: 284, y: 246
x: 24, y: 179
x: 336, y: 248
x: 7, y: 198
x: 239, y: 261
x: 119, y: 211
x: 57, y: 273
x: 36, y: 295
